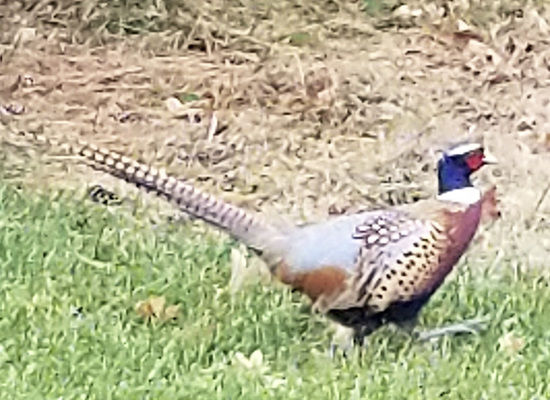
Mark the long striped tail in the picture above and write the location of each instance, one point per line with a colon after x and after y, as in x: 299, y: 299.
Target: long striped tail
x: 239, y: 223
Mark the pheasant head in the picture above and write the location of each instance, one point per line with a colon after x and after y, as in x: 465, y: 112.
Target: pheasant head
x: 455, y: 168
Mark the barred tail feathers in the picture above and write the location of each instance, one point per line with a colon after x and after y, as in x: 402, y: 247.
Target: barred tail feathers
x: 239, y: 223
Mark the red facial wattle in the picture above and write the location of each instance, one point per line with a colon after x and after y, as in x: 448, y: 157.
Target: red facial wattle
x: 475, y: 161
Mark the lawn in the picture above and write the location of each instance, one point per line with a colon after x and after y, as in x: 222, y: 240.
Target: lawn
x: 284, y: 108
x: 73, y: 271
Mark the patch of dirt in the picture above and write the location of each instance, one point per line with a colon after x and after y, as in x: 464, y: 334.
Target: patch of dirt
x: 308, y: 109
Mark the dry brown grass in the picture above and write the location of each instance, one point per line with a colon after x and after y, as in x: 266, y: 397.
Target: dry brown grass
x: 316, y: 108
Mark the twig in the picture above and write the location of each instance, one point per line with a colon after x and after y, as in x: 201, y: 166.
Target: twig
x: 541, y: 199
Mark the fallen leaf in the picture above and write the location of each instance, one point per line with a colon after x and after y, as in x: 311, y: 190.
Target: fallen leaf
x: 172, y: 311
x: 25, y: 35
x: 173, y: 105
x: 246, y: 271
x: 255, y: 361
x: 157, y: 305
x: 257, y: 358
x: 154, y: 308
x: 212, y: 127
x: 462, y: 26
x: 511, y: 343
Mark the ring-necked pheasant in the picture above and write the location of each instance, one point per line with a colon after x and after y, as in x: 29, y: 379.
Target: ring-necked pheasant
x: 364, y: 269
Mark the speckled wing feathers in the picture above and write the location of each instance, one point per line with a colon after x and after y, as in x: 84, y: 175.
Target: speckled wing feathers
x: 395, y: 263
x: 401, y: 269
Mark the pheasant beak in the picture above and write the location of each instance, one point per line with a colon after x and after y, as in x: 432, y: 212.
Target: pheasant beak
x: 488, y: 158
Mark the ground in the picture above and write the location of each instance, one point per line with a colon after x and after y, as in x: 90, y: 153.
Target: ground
x: 295, y: 110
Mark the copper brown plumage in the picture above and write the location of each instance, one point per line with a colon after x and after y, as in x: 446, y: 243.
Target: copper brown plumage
x: 363, y: 269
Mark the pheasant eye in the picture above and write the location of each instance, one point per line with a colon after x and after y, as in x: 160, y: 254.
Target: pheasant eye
x: 475, y: 160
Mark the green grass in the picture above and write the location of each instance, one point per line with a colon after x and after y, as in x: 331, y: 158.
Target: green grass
x: 71, y: 273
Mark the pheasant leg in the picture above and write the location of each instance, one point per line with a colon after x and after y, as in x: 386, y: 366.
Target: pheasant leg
x: 467, y: 326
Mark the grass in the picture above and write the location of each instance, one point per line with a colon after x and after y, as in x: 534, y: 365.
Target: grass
x: 72, y: 271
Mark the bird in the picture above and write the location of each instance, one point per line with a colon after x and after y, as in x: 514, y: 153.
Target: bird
x: 363, y: 270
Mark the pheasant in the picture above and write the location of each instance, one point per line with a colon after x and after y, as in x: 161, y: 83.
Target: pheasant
x: 363, y: 270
